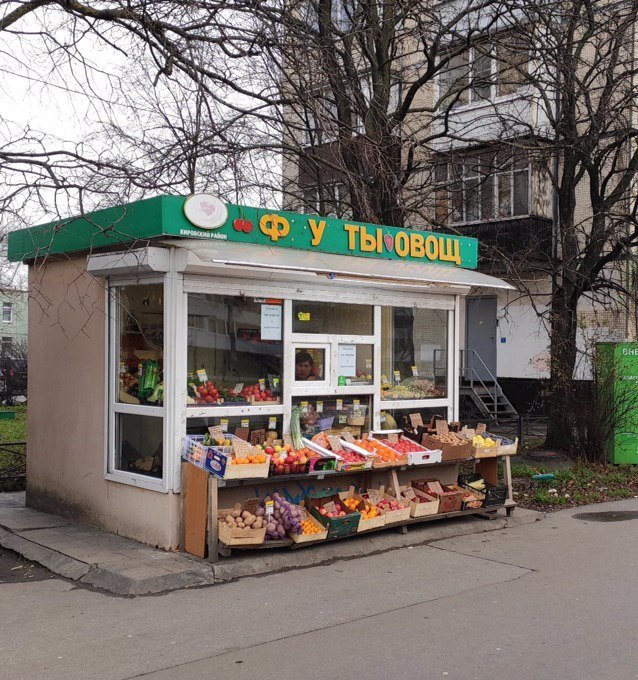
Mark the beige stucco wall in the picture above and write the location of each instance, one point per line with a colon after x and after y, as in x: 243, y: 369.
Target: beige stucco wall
x: 66, y: 412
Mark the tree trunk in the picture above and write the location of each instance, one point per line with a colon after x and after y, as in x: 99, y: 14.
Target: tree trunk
x: 561, y: 394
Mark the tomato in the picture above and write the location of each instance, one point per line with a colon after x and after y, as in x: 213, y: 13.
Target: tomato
x: 209, y: 400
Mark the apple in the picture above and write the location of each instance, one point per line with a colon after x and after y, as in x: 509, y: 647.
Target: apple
x: 322, y: 511
x: 269, y: 450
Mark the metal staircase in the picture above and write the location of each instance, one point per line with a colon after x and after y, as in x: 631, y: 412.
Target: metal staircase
x: 479, y: 386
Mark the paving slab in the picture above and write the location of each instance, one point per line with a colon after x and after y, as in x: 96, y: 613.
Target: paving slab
x: 113, y: 563
x: 15, y: 518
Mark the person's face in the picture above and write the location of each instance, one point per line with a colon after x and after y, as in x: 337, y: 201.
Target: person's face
x: 303, y: 370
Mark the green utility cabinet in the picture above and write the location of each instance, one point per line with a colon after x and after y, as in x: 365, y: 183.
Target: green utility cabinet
x: 618, y: 365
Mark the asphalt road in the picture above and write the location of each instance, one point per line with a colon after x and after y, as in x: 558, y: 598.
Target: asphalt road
x: 554, y: 599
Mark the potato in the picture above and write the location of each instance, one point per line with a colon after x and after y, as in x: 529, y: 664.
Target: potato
x: 258, y: 524
x: 240, y: 524
x: 229, y: 518
x: 250, y: 521
x: 230, y: 521
x: 236, y: 513
x: 245, y: 514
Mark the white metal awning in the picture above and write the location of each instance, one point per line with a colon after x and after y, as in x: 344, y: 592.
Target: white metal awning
x: 259, y: 261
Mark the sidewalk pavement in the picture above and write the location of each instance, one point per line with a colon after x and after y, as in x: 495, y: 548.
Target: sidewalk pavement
x: 125, y: 567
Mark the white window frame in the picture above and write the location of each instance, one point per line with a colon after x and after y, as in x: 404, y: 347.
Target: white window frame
x: 114, y: 407
x: 472, y: 99
x: 491, y: 179
x: 175, y: 412
x: 317, y: 292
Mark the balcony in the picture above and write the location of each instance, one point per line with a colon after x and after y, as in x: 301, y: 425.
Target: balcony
x: 516, y: 239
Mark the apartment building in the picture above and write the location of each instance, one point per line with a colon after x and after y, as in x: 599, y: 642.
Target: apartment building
x: 488, y: 178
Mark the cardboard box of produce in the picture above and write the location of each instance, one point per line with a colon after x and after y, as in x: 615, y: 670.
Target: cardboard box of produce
x: 482, y: 446
x: 450, y: 496
x: 371, y: 517
x: 312, y: 531
x: 451, y: 446
x: 385, y: 501
x: 421, y: 503
x: 233, y: 533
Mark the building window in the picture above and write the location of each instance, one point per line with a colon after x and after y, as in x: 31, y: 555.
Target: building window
x: 331, y: 199
x: 484, y: 72
x: 512, y: 66
x: 482, y: 186
x: 7, y: 312
x: 320, y: 121
x: 7, y: 345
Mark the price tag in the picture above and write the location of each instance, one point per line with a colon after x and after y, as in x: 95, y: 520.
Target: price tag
x: 257, y: 437
x: 287, y: 439
x: 374, y: 496
x: 356, y: 403
x: 223, y: 423
x: 245, y: 422
x: 397, y: 377
x: 320, y: 407
x: 262, y: 385
x: 416, y: 420
x: 348, y: 436
x: 201, y: 374
x: 270, y: 508
x: 408, y: 493
x: 330, y: 506
x: 339, y: 404
x: 241, y: 449
x: 393, y: 437
x: 368, y: 364
x: 384, y: 379
x: 216, y: 432
x: 238, y: 388
x: 272, y: 423
x: 343, y: 419
x: 304, y: 406
x: 415, y: 371
x: 382, y: 419
x: 335, y: 443
x: 441, y: 427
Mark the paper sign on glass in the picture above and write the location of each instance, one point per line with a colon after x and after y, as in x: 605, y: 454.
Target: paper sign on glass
x: 348, y: 360
x: 271, y: 322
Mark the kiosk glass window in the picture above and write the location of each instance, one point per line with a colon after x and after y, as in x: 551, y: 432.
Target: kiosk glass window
x: 413, y: 353
x: 235, y: 350
x: 331, y: 318
x: 139, y: 441
x: 140, y: 315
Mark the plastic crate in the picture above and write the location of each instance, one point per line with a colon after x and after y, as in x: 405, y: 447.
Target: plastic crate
x: 494, y: 495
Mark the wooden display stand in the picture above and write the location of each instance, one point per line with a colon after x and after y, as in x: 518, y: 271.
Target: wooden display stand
x: 203, y: 495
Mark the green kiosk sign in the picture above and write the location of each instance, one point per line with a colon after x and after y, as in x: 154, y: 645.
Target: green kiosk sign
x: 205, y: 216
x: 618, y: 365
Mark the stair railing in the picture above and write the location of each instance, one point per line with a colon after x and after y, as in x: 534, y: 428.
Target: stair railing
x: 469, y: 357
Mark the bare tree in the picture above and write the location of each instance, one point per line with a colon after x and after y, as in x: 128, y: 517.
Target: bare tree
x: 577, y: 60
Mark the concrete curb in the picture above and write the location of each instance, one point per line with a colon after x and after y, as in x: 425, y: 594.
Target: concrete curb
x: 60, y: 564
x: 124, y: 567
x: 260, y: 563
